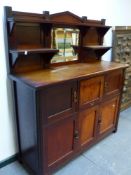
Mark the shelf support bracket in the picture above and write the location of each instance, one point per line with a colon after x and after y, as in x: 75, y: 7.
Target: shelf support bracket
x: 14, y: 57
x: 11, y: 26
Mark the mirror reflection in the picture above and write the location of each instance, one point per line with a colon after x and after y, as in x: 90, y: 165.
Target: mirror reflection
x: 63, y: 39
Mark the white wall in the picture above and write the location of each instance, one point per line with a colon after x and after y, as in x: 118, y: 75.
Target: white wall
x: 116, y: 12
x: 8, y: 144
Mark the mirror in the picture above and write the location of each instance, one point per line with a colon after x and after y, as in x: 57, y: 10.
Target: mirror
x: 63, y: 39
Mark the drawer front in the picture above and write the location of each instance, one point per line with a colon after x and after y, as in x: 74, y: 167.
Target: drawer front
x: 91, y: 90
x: 113, y: 82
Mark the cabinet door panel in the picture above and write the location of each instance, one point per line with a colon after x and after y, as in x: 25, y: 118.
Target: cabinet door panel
x: 87, y: 122
x: 91, y: 89
x: 58, y: 99
x: 60, y: 140
x: 108, y: 114
x: 113, y: 82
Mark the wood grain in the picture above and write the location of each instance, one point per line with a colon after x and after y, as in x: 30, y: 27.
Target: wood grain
x: 59, y: 74
x: 108, y: 113
x: 60, y: 140
x: 91, y: 89
x: 87, y: 122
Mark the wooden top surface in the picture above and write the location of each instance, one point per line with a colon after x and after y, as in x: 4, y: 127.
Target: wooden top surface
x: 50, y: 76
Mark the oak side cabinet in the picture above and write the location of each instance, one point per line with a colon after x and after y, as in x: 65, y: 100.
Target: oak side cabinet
x: 62, y: 108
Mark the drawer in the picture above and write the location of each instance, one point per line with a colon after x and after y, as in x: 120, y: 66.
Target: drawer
x: 91, y: 90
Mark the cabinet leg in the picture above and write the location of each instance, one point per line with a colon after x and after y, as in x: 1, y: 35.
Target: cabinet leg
x: 115, y: 130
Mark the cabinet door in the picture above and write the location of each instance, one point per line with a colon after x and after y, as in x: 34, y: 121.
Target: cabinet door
x: 87, y: 125
x: 58, y: 100
x: 113, y: 82
x: 60, y: 142
x: 91, y: 90
x: 108, y: 115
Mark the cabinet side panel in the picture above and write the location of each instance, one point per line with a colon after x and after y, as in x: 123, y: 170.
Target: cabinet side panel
x: 26, y: 114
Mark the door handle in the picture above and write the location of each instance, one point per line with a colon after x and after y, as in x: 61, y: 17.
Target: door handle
x: 99, y: 121
x: 106, y: 85
x: 76, y: 135
x: 75, y: 97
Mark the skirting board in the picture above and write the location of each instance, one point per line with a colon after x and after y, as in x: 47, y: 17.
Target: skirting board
x: 8, y: 160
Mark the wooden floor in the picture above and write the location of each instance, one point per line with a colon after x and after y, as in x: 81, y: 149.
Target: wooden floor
x: 112, y: 156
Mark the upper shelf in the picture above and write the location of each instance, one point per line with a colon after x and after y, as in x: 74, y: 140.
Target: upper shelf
x: 99, y: 50
x: 39, y: 20
x: 17, y: 52
x: 33, y: 50
x: 97, y: 47
x: 42, y: 30
x: 14, y: 20
x: 70, y: 20
x: 101, y: 29
x: 92, y: 47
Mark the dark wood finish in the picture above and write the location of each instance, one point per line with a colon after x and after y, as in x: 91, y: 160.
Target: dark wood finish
x: 27, y: 51
x: 27, y: 64
x: 61, y: 110
x: 65, y: 19
x: 91, y: 51
x: 59, y: 100
x: 27, y: 123
x: 37, y: 36
x: 60, y: 140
